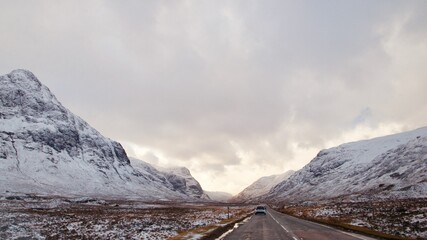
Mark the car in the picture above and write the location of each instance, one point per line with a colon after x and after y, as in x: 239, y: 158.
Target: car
x: 261, y: 210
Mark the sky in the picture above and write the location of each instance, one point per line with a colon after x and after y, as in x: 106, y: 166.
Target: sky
x: 232, y: 90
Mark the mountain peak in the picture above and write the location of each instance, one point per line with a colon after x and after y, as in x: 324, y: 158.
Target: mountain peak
x: 46, y: 149
x: 22, y: 76
x: 183, y: 171
x: 389, y: 166
x: 22, y: 94
x: 261, y: 186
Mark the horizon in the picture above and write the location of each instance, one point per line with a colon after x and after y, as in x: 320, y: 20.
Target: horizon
x: 233, y: 91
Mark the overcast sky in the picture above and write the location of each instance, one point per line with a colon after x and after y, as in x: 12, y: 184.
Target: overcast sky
x: 233, y: 90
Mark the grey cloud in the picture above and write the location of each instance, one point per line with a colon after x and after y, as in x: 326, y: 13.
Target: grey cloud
x: 151, y: 158
x: 191, y: 78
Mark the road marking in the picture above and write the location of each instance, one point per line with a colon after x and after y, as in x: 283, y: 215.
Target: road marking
x: 326, y: 226
x: 292, y: 235
x: 278, y: 222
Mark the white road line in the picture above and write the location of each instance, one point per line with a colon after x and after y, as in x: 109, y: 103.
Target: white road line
x: 293, y: 236
x: 278, y: 222
x: 347, y: 233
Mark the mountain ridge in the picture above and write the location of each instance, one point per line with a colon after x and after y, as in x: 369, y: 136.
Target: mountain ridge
x: 261, y: 187
x: 393, y: 166
x: 176, y: 178
x: 46, y: 149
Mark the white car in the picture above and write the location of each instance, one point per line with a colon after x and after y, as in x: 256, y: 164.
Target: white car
x: 261, y: 210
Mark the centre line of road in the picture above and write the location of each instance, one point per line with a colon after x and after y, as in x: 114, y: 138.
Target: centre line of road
x: 294, y: 237
x: 278, y: 222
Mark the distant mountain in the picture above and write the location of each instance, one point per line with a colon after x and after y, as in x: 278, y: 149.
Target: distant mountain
x: 46, y: 149
x: 393, y: 166
x: 176, y: 179
x: 261, y: 187
x: 219, y: 196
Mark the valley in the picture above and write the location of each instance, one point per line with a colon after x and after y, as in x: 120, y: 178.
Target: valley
x: 48, y: 217
x: 61, y: 178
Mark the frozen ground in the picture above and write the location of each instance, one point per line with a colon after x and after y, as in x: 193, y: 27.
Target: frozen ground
x: 399, y: 217
x: 30, y: 217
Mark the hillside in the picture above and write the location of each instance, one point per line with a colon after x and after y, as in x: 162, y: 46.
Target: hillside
x: 177, y: 179
x: 219, y: 196
x: 261, y: 187
x: 45, y: 149
x: 393, y: 166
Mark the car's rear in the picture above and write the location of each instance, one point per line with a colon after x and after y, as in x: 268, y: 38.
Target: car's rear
x: 260, y: 210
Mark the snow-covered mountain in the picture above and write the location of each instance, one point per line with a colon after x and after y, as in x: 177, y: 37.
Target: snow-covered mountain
x: 185, y: 182
x: 219, y: 196
x: 261, y: 187
x: 177, y: 179
x: 393, y: 166
x: 46, y: 149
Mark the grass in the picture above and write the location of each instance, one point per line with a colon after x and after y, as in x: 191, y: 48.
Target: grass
x: 201, y: 231
x: 222, y: 229
x: 357, y: 229
x: 62, y: 219
x: 385, y: 219
x: 212, y: 231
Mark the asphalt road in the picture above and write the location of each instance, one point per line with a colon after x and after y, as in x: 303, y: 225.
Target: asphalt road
x: 276, y: 225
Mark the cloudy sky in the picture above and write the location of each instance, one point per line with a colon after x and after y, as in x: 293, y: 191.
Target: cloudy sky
x: 233, y: 90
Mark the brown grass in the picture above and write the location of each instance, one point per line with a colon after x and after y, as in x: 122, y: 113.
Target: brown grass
x: 107, y: 220
x: 357, y: 229
x: 386, y: 219
x: 213, y: 231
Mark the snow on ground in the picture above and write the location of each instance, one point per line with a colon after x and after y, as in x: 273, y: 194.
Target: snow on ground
x: 31, y: 217
x: 405, y: 218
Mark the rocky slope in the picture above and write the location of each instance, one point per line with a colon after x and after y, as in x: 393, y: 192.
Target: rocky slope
x: 46, y: 149
x: 261, y: 187
x: 184, y: 182
x: 176, y: 179
x: 393, y: 166
x: 219, y: 196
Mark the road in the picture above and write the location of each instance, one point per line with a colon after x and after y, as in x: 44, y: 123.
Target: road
x: 276, y: 225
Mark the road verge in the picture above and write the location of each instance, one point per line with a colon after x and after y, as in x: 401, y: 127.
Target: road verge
x: 219, y: 232
x: 347, y: 227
